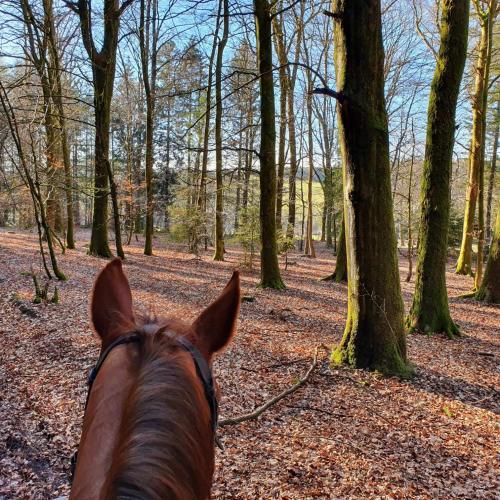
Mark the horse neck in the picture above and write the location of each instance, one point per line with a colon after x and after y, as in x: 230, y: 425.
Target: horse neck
x: 165, y: 444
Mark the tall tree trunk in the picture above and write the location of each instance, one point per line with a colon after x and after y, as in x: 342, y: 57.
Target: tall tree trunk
x: 323, y: 221
x: 270, y: 272
x: 309, y: 248
x: 476, y: 158
x: 491, y: 177
x: 238, y: 176
x: 148, y: 41
x: 430, y: 311
x: 409, y: 208
x: 374, y: 336
x: 219, y: 193
x: 292, y: 76
x: 249, y: 141
x: 38, y: 41
x: 480, y: 193
x: 99, y: 237
x: 55, y: 77
x: 206, y: 134
x: 489, y: 291
x: 283, y: 79
x: 103, y: 72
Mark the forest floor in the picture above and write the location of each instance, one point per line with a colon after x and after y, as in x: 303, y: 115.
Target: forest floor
x: 345, y: 434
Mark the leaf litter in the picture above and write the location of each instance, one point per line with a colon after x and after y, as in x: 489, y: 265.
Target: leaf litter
x: 345, y: 434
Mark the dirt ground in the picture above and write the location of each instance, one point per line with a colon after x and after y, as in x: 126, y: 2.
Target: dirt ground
x: 346, y: 434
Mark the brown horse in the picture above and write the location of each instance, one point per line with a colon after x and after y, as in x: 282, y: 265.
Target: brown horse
x: 150, y: 419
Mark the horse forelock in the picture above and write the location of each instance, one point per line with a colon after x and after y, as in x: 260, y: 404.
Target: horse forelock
x: 165, y: 444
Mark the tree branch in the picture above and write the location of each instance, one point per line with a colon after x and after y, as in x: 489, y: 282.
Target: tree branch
x: 261, y: 409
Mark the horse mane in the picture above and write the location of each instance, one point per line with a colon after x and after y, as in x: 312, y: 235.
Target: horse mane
x: 165, y: 445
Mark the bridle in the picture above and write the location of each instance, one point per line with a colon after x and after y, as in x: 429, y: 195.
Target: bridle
x: 203, y: 371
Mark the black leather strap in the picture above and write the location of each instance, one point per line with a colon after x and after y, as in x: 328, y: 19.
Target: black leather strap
x: 205, y: 374
x: 126, y: 339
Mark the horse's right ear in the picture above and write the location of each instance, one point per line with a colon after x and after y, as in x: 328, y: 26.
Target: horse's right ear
x: 111, y: 303
x: 216, y: 324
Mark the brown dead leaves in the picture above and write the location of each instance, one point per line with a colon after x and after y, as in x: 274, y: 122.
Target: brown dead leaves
x: 346, y: 434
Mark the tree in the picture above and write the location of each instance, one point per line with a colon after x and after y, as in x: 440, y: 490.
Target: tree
x: 57, y: 97
x: 291, y: 78
x: 270, y: 271
x: 219, y: 195
x: 309, y: 244
x: 340, y: 273
x: 476, y: 159
x: 201, y: 201
x: 44, y: 55
x: 32, y: 181
x: 493, y: 166
x: 148, y: 42
x: 489, y: 291
x: 103, y: 75
x: 430, y: 311
x: 279, y: 43
x: 374, y: 336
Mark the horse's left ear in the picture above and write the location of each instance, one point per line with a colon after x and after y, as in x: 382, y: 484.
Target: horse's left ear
x: 216, y: 324
x: 111, y: 304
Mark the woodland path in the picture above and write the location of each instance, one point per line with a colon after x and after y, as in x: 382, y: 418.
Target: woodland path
x: 346, y: 434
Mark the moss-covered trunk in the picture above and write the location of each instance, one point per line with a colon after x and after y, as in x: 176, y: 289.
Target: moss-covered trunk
x: 430, y: 311
x: 491, y: 176
x: 478, y: 276
x: 270, y: 272
x: 374, y: 336
x: 489, y: 291
x: 476, y: 158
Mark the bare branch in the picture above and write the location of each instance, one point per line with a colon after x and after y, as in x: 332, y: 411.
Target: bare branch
x: 261, y: 409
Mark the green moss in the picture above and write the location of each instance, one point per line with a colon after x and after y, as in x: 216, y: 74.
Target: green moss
x: 444, y: 325
x: 430, y: 310
x: 276, y: 284
x: 391, y: 364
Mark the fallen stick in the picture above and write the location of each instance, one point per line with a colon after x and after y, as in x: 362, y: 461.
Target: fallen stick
x: 261, y: 409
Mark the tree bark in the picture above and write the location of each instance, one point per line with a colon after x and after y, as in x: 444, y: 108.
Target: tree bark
x: 58, y: 101
x: 491, y: 177
x: 309, y: 247
x: 103, y: 73
x: 148, y: 41
x: 490, y: 20
x: 283, y: 79
x: 219, y: 193
x: 374, y: 336
x: 292, y: 76
x: 430, y: 311
x: 206, y: 134
x: 489, y: 291
x: 270, y: 272
x: 476, y: 158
